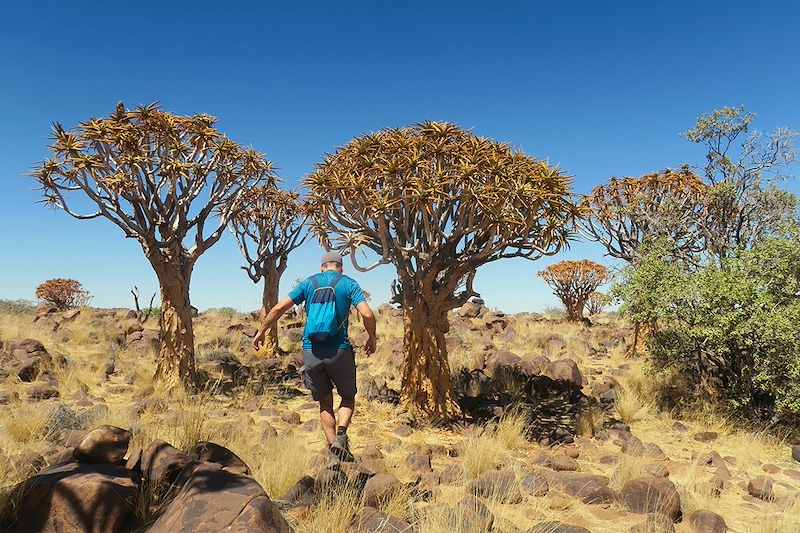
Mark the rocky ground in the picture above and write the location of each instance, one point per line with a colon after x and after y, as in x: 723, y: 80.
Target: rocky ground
x: 562, y: 434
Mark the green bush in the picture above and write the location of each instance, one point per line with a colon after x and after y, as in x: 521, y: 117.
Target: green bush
x: 731, y: 330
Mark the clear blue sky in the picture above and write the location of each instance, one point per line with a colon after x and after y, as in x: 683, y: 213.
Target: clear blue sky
x: 600, y: 87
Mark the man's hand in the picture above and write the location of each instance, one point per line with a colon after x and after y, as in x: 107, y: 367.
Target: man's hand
x: 370, y: 346
x: 258, y: 340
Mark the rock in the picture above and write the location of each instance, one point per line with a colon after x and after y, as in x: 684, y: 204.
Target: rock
x: 565, y: 370
x: 470, y: 310
x: 679, y: 427
x: 292, y: 418
x: 42, y: 390
x: 214, y: 453
x: 25, y: 463
x: 535, y: 484
x: 379, y: 488
x: 301, y: 493
x: 652, y: 495
x: 96, y: 498
x: 557, y: 527
x: 213, y: 501
x: 70, y: 315
x: 7, y: 397
x: 370, y: 520
x: 796, y: 452
x: 419, y: 462
x: 105, y: 444
x: 162, y: 463
x: 68, y: 437
x: 706, y: 436
x: 770, y: 468
x: 656, y: 470
x: 473, y: 512
x: 502, y: 361
x: 707, y: 522
x: 587, y: 488
x: 562, y: 463
x: 59, y: 457
x: 403, y: 430
x: 761, y: 487
x: 497, y: 485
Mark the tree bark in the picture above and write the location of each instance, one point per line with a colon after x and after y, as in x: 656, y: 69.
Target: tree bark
x: 426, y: 385
x: 575, y: 310
x: 272, y: 280
x: 176, y: 345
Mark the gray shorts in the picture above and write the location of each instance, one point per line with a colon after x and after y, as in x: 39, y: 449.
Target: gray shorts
x: 326, y: 368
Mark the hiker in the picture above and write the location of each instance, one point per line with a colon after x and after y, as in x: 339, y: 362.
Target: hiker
x: 328, y: 355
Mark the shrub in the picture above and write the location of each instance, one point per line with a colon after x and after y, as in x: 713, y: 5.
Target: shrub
x: 17, y: 307
x: 729, y: 328
x: 63, y: 293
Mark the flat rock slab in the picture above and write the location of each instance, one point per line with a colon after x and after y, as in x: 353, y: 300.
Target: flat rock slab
x: 652, y: 495
x: 213, y: 500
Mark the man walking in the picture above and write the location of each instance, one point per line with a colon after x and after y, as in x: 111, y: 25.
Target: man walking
x: 327, y: 352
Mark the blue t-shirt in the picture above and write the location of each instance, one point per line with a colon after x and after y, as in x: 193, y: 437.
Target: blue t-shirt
x: 348, y: 293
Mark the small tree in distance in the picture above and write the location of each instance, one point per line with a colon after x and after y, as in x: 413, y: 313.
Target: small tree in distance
x: 437, y: 202
x: 63, y: 293
x: 160, y: 178
x: 268, y: 224
x: 573, y: 282
x: 596, y: 302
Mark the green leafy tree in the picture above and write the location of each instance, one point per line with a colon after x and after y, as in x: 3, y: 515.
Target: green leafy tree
x: 744, y: 204
x: 730, y: 329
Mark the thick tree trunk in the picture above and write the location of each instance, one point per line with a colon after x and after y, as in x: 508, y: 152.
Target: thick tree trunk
x: 272, y: 280
x: 575, y: 310
x: 426, y: 386
x: 176, y: 350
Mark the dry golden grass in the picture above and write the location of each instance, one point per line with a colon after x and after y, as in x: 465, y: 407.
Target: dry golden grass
x: 282, y: 462
x: 333, y: 513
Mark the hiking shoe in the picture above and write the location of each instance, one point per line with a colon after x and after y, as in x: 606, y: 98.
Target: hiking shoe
x: 341, y: 449
x: 334, y: 463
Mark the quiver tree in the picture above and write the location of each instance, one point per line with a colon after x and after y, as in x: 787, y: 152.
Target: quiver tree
x: 623, y: 212
x: 63, y: 293
x: 596, y: 302
x: 268, y: 224
x: 437, y: 202
x: 573, y: 282
x: 159, y: 177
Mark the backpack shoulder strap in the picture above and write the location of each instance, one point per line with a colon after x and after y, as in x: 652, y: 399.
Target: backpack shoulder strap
x: 336, y: 280
x: 314, y: 281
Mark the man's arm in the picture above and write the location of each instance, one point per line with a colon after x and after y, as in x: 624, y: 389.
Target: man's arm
x: 271, y: 319
x: 368, y: 318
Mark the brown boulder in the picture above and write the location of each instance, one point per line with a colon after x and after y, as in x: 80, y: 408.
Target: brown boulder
x: 652, y: 495
x: 562, y: 463
x: 535, y: 484
x: 162, y: 463
x: 707, y: 522
x: 587, y: 488
x: 706, y: 436
x: 370, y: 520
x: 105, y: 444
x: 796, y: 452
x: 473, y: 512
x: 42, y: 390
x: 96, y: 498
x: 69, y: 438
x: 470, y: 310
x: 214, y: 453
x: 565, y: 370
x: 761, y: 487
x: 498, y: 485
x: 380, y: 488
x: 213, y: 500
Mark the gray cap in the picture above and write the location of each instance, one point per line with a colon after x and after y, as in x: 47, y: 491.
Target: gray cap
x: 331, y: 257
